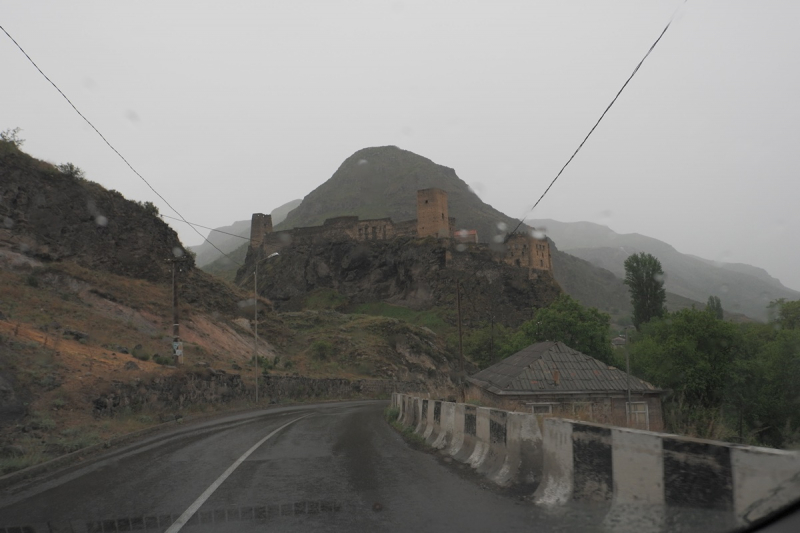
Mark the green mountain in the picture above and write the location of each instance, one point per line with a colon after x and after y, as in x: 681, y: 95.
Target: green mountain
x: 743, y: 289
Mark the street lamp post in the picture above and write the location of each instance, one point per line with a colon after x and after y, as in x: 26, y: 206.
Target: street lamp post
x: 255, y: 319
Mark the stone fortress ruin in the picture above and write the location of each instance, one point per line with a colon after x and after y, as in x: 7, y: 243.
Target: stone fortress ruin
x: 521, y: 249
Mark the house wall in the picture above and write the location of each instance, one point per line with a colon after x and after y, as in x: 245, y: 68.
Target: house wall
x: 602, y: 408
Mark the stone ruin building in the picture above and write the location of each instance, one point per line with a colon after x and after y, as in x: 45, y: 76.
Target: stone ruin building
x: 521, y: 249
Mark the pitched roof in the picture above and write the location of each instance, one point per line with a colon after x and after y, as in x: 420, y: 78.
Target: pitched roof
x: 538, y: 367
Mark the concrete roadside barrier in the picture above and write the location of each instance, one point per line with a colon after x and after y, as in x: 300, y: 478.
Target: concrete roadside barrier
x: 523, y: 452
x: 422, y: 421
x: 446, y: 426
x: 435, y: 423
x: 469, y: 434
x: 431, y: 421
x: 504, y: 446
x: 646, y: 477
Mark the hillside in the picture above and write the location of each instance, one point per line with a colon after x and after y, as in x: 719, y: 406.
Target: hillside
x: 224, y: 237
x: 86, y: 308
x: 743, y: 289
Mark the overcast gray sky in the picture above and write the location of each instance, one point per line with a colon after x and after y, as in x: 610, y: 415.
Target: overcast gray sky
x: 229, y: 108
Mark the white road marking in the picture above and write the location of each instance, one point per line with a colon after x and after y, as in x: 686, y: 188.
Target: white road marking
x: 188, y: 513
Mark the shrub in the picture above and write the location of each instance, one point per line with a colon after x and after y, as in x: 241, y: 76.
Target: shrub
x: 162, y: 359
x: 321, y: 349
x: 11, y: 136
x: 73, y: 171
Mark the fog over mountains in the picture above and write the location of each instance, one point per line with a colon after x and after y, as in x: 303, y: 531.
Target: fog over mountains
x: 742, y: 288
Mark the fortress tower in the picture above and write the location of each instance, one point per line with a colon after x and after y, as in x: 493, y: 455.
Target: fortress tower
x: 432, y: 218
x: 260, y: 225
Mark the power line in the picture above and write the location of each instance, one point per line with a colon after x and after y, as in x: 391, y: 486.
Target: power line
x: 598, y: 121
x: 206, y: 227
x: 108, y: 143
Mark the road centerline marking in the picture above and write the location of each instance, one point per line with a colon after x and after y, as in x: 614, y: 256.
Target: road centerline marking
x: 188, y: 513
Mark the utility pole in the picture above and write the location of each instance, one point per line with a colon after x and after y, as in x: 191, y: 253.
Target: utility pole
x: 255, y: 324
x: 255, y: 319
x: 177, y: 345
x: 460, y: 343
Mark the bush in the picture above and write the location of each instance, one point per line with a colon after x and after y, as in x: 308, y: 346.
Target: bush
x: 321, y: 349
x: 139, y: 353
x: 12, y: 137
x: 391, y: 414
x: 73, y: 171
x: 162, y: 359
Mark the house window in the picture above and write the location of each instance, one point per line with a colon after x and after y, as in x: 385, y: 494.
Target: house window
x: 637, y: 415
x: 582, y: 410
x: 542, y: 408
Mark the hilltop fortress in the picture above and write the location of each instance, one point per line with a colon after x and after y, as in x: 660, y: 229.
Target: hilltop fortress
x: 521, y: 249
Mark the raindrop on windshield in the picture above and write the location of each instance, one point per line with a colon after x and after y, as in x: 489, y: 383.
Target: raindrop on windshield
x: 285, y: 238
x: 502, y: 226
x: 177, y: 251
x: 8, y: 223
x: 498, y: 239
x: 362, y: 161
x: 659, y: 277
x: 538, y: 234
x: 461, y: 247
x: 100, y: 220
x: 723, y: 289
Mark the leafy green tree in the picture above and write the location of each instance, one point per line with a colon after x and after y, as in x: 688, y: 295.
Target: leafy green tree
x: 566, y: 320
x: 645, y: 280
x: 785, y: 314
x: 693, y: 354
x: 482, y: 345
x: 714, y: 306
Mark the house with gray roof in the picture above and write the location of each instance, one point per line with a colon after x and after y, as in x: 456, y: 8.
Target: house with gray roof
x: 552, y: 379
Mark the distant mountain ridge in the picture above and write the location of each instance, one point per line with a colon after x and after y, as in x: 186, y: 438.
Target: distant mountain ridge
x: 742, y: 288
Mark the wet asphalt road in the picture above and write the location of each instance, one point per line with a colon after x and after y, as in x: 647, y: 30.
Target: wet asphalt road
x: 340, y: 468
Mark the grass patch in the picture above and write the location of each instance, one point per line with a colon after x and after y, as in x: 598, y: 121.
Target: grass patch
x: 12, y: 464
x: 407, y: 432
x: 430, y: 318
x: 325, y: 299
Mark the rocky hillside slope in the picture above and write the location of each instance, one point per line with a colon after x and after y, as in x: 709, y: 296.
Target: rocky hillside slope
x: 53, y: 216
x: 410, y: 272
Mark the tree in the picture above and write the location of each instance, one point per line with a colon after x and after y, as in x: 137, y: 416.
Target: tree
x: 566, y: 320
x: 73, y: 171
x: 693, y: 354
x: 645, y: 280
x: 11, y: 136
x: 714, y: 306
x: 785, y: 314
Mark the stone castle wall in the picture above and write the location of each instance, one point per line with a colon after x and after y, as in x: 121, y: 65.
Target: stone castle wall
x: 521, y: 250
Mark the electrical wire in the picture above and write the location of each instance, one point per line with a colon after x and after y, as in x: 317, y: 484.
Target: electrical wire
x: 596, y: 123
x: 206, y: 227
x: 109, y: 144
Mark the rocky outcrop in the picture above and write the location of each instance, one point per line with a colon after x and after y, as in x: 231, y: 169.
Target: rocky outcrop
x: 51, y: 216
x: 416, y: 273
